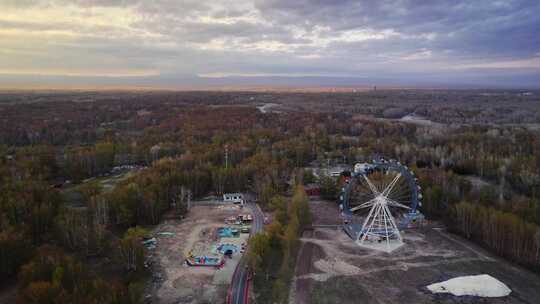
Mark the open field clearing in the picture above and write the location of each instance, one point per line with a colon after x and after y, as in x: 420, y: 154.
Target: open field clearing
x: 333, y: 269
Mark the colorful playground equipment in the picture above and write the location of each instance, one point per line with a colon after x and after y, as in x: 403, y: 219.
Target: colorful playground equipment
x: 150, y: 244
x: 219, y: 252
x: 228, y: 232
x: 203, y: 260
x: 227, y: 249
x: 166, y: 234
x: 245, y: 218
x: 239, y: 219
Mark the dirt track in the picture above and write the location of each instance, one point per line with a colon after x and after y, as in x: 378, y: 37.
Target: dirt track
x: 333, y: 269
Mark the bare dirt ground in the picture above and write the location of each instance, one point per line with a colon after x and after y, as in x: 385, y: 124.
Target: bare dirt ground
x: 333, y: 269
x: 324, y: 212
x: 175, y: 282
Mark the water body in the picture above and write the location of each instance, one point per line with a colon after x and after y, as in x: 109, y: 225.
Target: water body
x: 416, y: 119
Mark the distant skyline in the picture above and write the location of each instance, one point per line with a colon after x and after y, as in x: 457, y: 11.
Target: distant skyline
x: 197, y: 44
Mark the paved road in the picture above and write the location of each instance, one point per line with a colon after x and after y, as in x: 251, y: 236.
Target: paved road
x: 239, y: 284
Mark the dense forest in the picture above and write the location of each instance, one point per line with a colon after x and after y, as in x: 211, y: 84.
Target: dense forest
x: 70, y: 236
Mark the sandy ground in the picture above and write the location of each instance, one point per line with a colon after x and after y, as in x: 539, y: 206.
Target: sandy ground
x: 333, y: 269
x: 175, y: 282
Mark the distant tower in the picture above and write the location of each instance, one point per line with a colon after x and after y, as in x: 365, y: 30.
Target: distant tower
x: 375, y: 88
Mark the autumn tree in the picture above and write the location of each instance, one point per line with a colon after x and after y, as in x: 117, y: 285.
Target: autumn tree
x: 131, y: 249
x: 329, y: 188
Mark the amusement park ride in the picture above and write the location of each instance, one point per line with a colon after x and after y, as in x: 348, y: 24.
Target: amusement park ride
x: 378, y: 200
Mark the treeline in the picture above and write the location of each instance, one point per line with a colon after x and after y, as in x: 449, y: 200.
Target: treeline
x: 505, y: 233
x: 54, y: 277
x: 33, y: 216
x: 183, y: 144
x: 145, y: 197
x: 100, y: 226
x: 28, y: 209
x: 272, y: 254
x: 481, y: 215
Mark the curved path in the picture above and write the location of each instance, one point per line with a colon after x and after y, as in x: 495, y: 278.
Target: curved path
x: 238, y: 291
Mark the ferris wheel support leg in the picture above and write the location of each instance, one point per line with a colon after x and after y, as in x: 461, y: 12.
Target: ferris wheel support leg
x: 362, y: 235
x: 394, y: 226
x: 386, y: 229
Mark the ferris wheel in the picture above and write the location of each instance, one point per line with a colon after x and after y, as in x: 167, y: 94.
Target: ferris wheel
x: 377, y: 194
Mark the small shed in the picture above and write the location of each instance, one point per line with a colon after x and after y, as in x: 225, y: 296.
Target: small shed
x: 236, y: 198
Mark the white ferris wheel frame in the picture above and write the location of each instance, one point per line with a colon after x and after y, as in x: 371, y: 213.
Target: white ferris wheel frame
x: 379, y: 225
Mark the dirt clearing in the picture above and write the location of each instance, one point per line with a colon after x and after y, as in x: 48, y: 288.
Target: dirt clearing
x: 175, y: 282
x: 333, y: 269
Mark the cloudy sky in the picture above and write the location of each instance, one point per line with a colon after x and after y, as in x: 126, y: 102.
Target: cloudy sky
x: 174, y: 43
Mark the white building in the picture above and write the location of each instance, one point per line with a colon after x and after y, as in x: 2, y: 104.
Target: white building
x: 362, y: 168
x: 337, y: 170
x: 236, y: 198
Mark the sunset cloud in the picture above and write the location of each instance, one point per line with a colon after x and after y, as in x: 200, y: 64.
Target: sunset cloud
x: 267, y: 37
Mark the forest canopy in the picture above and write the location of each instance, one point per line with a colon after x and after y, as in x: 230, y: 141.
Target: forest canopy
x: 78, y: 180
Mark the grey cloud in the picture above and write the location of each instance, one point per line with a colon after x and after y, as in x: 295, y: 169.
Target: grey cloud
x: 509, y: 28
x: 173, y: 36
